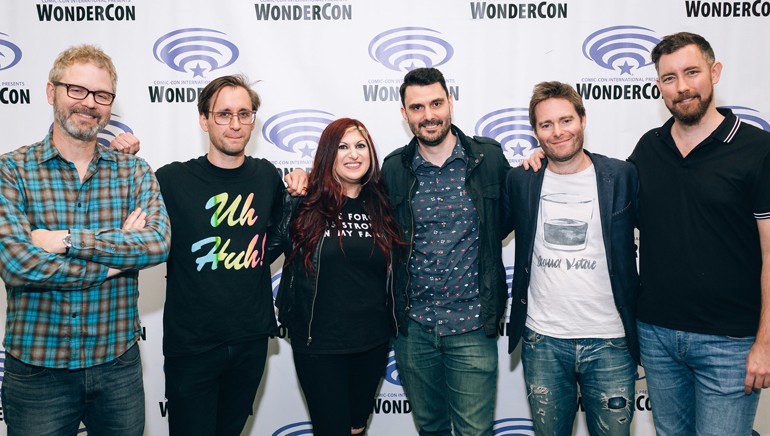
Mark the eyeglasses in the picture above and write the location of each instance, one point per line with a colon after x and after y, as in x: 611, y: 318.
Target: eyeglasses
x: 244, y: 117
x: 80, y: 93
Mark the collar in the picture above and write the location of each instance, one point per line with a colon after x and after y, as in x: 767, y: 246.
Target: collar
x: 458, y: 152
x: 725, y: 132
x: 48, y: 151
x: 408, y: 152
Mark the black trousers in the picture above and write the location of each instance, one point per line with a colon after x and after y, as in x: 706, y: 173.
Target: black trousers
x: 212, y: 393
x: 340, y: 388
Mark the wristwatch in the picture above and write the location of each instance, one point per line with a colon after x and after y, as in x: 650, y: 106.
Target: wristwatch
x: 67, y: 241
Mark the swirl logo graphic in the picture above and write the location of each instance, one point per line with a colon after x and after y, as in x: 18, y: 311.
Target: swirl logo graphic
x: 297, y: 130
x: 111, y: 130
x: 10, y: 53
x: 406, y: 48
x: 197, y: 50
x: 513, y: 427
x: 295, y: 429
x: 630, y: 45
x: 508, y: 283
x: 276, y: 283
x: 750, y: 116
x: 510, y: 127
x: 509, y: 279
x: 391, y: 371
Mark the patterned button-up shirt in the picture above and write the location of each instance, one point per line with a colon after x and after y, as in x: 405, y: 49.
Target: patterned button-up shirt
x: 63, y: 311
x: 444, y: 263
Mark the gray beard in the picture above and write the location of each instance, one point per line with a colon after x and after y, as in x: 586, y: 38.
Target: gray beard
x: 61, y: 118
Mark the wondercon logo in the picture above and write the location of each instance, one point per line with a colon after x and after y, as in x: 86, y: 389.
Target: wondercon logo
x: 510, y: 127
x: 10, y: 53
x: 276, y: 283
x: 197, y: 50
x: 509, y: 279
x: 513, y: 427
x: 111, y: 130
x: 750, y: 116
x: 621, y: 48
x: 391, y: 371
x: 509, y: 285
x: 295, y: 429
x: 297, y: 130
x: 407, y: 48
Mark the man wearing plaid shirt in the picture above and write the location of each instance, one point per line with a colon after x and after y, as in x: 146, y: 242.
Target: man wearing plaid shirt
x: 77, y: 222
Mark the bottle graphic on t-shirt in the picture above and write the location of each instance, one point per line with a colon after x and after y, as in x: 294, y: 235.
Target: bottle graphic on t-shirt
x: 565, y: 221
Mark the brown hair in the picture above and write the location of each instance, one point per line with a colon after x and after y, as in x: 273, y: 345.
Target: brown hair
x: 208, y: 95
x: 672, y: 43
x: 545, y: 90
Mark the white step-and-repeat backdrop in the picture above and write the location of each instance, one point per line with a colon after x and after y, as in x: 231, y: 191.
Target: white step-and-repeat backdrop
x: 317, y: 60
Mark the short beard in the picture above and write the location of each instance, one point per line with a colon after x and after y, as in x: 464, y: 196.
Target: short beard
x: 567, y: 158
x: 444, y: 132
x: 62, y: 119
x: 691, y: 119
x: 561, y: 159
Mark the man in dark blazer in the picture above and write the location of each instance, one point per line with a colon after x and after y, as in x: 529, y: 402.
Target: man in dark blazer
x: 575, y: 275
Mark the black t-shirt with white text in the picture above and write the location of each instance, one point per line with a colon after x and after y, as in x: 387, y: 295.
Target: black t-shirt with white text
x: 350, y: 312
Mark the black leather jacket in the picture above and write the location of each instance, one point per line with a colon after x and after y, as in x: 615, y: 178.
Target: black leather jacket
x: 298, y: 289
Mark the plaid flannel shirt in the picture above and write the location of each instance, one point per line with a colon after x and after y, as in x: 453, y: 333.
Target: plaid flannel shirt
x: 63, y: 311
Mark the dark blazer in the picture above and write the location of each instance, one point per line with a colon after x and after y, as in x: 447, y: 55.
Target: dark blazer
x: 618, y: 187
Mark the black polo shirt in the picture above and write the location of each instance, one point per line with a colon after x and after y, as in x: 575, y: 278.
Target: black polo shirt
x: 700, y: 257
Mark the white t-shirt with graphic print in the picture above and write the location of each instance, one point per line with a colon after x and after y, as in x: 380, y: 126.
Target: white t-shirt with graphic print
x: 570, y: 295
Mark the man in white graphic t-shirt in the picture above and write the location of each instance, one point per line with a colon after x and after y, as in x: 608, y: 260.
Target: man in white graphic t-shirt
x: 575, y: 276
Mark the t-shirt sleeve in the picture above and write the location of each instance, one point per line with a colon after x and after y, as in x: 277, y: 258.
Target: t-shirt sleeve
x: 762, y: 196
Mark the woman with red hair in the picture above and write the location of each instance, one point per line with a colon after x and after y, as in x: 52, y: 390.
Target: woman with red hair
x: 335, y: 296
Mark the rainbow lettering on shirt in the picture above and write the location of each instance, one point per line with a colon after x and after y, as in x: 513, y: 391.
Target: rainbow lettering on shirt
x: 225, y: 213
x: 247, y: 213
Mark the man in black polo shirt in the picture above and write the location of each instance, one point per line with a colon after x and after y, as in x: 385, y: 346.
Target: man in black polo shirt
x: 704, y: 305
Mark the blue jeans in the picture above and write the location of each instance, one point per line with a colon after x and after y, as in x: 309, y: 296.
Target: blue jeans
x: 108, y: 398
x: 695, y: 382
x: 451, y: 381
x: 604, y: 369
x: 212, y: 393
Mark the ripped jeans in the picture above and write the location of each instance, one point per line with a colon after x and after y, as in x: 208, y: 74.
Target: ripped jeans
x: 553, y: 369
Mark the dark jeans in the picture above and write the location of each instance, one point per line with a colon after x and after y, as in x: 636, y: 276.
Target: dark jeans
x: 108, y: 398
x: 212, y: 393
x: 340, y: 388
x: 451, y: 381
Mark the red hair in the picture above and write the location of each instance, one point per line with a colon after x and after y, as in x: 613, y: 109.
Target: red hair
x: 326, y: 196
